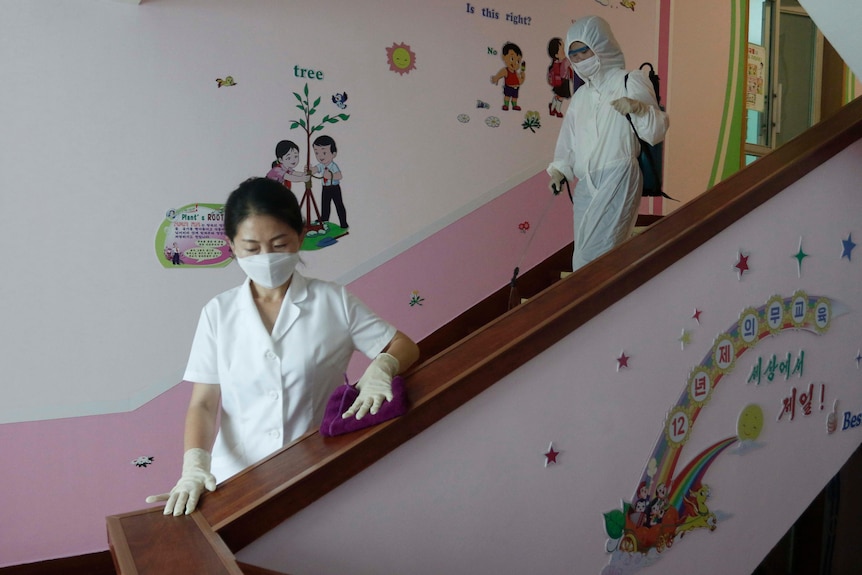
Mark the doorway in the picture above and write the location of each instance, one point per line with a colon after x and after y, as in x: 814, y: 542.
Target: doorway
x: 793, y: 62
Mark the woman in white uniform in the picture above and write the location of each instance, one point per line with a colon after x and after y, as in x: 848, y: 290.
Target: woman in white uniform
x: 596, y: 143
x: 267, y: 354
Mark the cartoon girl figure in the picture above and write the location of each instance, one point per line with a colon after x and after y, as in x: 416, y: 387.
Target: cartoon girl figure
x: 656, y: 513
x: 175, y: 255
x: 640, y: 508
x: 560, y: 77
x: 638, y: 515
x: 660, y: 495
x: 643, y: 491
x: 286, y: 159
x: 514, y: 74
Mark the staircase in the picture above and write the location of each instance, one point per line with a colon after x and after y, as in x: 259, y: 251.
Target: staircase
x: 274, y: 492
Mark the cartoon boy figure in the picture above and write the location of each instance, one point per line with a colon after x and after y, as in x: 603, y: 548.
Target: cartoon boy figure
x: 175, y: 255
x: 514, y: 74
x: 658, y: 505
x: 325, y: 152
x: 286, y: 159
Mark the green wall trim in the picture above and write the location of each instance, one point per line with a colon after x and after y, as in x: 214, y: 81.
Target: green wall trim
x: 849, y: 85
x: 728, y: 154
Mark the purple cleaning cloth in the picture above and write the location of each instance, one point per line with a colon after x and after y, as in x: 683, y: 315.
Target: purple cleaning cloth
x: 344, y: 396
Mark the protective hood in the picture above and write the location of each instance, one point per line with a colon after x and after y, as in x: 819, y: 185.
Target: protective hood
x: 596, y: 33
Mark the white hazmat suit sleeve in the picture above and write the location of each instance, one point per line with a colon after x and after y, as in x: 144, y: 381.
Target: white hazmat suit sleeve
x: 564, y: 154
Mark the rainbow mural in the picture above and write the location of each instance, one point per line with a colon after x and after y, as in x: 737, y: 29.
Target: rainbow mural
x: 669, y: 502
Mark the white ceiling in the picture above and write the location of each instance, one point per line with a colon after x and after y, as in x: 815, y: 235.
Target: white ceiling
x: 839, y: 21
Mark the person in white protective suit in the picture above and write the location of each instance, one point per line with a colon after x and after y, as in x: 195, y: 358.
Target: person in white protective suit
x: 596, y: 143
x: 268, y: 353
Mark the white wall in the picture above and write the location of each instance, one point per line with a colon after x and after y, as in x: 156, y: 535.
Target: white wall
x: 838, y: 20
x: 473, y: 492
x: 113, y: 117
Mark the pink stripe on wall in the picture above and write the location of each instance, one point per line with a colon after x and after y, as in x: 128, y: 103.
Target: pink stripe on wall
x: 663, y: 45
x: 62, y: 477
x: 470, y: 259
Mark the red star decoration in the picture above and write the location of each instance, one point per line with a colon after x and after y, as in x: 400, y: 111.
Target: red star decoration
x: 623, y: 360
x: 551, y: 455
x: 696, y: 314
x: 742, y: 265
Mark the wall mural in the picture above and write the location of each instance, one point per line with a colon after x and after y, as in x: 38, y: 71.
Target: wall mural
x: 671, y: 501
x: 313, y: 151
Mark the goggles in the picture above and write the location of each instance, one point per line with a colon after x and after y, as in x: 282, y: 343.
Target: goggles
x: 576, y: 51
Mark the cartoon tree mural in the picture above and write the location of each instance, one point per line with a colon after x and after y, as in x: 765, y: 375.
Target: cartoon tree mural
x: 305, y: 124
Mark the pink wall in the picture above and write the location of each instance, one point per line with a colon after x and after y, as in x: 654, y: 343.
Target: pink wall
x: 62, y: 477
x: 75, y: 472
x: 473, y: 492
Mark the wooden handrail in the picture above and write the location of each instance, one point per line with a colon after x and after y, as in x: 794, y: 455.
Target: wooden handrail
x: 259, y: 498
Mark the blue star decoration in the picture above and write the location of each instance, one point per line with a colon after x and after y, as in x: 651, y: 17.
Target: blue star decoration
x: 143, y: 461
x: 799, y: 255
x: 858, y: 358
x: 848, y: 247
x: 551, y: 455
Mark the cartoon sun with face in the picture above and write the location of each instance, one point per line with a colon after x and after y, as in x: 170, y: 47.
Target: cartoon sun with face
x: 401, y: 58
x: 750, y: 422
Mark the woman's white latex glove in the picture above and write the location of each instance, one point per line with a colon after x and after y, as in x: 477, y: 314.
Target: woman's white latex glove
x: 374, y: 386
x: 629, y: 106
x: 557, y: 179
x: 196, y: 477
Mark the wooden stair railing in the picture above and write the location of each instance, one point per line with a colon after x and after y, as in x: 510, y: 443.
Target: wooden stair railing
x: 264, y: 495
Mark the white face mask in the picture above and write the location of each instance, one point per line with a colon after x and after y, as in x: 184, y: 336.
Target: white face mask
x: 587, y: 68
x: 269, y: 270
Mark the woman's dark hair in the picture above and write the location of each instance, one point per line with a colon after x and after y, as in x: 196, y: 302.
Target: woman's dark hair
x: 261, y: 197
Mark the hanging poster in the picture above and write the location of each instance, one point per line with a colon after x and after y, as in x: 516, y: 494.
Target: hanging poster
x: 193, y: 236
x: 756, y: 75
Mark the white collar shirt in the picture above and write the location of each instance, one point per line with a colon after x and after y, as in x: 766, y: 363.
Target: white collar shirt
x: 274, y: 387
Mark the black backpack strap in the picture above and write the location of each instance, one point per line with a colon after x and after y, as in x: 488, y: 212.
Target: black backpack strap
x: 654, y: 80
x: 646, y: 149
x: 629, y: 116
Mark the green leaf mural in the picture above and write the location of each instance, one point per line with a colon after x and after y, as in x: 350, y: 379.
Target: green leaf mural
x: 614, y: 522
